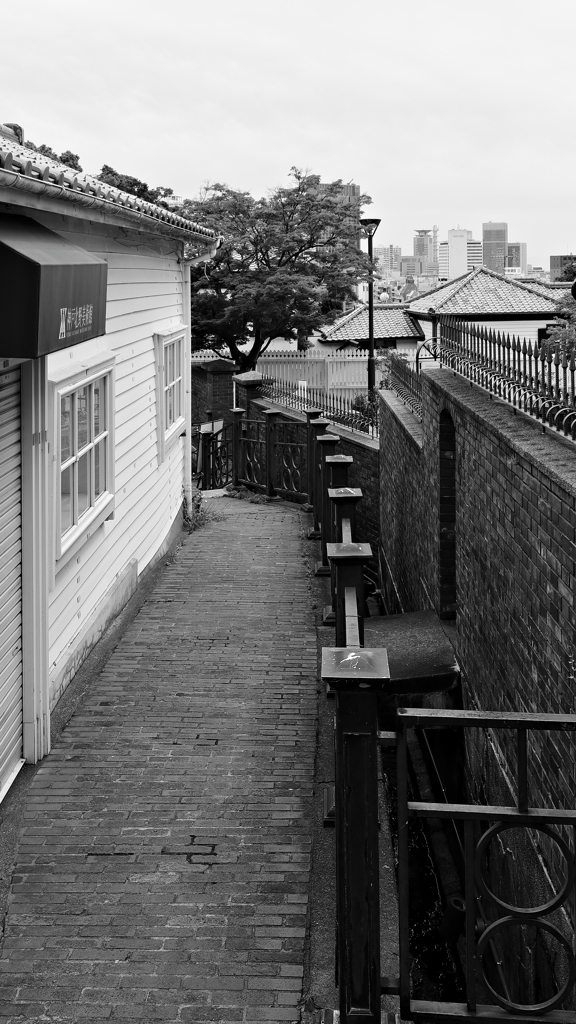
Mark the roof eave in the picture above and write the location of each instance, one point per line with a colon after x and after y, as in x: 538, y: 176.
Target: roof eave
x: 18, y: 184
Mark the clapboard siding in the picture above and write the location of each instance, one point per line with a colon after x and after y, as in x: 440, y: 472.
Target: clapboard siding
x: 144, y: 297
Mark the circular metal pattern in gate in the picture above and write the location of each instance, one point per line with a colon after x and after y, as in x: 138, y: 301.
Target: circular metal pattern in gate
x: 528, y: 912
x: 527, y: 1008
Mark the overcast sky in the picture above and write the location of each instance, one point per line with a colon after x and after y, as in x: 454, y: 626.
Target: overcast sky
x: 448, y: 113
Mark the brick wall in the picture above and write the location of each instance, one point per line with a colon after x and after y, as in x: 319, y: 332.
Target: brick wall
x: 515, y: 559
x: 212, y: 390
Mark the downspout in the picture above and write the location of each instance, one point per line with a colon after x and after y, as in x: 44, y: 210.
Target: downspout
x: 187, y: 384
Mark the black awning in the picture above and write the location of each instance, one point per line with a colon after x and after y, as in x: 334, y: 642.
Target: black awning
x: 52, y: 293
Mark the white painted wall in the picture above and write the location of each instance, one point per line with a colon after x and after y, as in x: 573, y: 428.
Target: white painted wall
x: 144, y: 297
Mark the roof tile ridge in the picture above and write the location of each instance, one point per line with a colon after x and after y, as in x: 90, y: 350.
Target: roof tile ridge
x: 460, y: 283
x: 344, y: 319
x: 41, y: 162
x: 517, y: 284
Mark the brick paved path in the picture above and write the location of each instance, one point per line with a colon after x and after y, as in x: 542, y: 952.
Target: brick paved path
x: 163, y: 871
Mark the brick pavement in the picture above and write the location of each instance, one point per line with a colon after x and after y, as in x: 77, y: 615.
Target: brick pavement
x: 162, y: 874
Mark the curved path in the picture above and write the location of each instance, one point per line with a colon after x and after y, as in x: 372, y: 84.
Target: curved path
x: 163, y: 871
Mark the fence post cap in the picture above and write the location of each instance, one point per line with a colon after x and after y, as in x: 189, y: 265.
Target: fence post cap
x: 328, y: 439
x: 362, y: 668
x: 249, y: 377
x: 349, y: 552
x: 339, y: 459
x: 341, y: 495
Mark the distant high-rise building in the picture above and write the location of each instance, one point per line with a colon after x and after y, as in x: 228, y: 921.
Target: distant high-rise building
x: 387, y: 257
x: 426, y: 248
x: 460, y: 254
x: 475, y: 253
x: 557, y: 264
x: 517, y: 257
x: 413, y: 266
x: 495, y: 244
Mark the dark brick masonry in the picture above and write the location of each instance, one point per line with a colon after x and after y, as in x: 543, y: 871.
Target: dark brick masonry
x: 162, y: 874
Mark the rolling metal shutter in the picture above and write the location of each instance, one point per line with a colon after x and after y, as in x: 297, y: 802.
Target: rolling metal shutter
x: 10, y: 580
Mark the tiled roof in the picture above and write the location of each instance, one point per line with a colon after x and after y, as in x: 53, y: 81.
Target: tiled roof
x: 28, y: 170
x: 483, y: 292
x: 389, y: 322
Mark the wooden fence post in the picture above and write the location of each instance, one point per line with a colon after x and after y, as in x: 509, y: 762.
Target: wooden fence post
x: 237, y: 414
x: 326, y: 444
x: 311, y: 414
x: 343, y: 501
x: 349, y: 561
x: 357, y: 675
x: 316, y: 427
x: 270, y: 415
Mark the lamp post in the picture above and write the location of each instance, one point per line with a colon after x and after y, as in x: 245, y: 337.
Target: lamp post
x: 370, y: 226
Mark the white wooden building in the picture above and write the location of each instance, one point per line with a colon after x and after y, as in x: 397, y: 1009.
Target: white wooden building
x: 94, y: 412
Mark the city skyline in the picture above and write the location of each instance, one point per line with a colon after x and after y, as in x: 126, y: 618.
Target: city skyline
x: 189, y: 97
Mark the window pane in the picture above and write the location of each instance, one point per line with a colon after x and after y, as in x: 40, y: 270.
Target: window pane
x: 82, y: 413
x: 170, y: 363
x: 98, y: 407
x: 169, y: 408
x: 65, y: 438
x: 66, y: 499
x: 176, y: 391
x: 84, y: 483
x: 99, y: 469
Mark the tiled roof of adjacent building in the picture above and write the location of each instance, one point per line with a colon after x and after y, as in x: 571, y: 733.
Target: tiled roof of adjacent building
x: 27, y: 170
x: 482, y: 291
x: 389, y: 322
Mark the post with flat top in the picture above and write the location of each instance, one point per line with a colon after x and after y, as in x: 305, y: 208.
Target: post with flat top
x: 357, y: 675
x: 326, y: 444
x: 316, y: 427
x: 271, y: 416
x: 311, y: 414
x: 349, y: 561
x: 343, y: 501
x: 337, y: 467
x: 237, y: 414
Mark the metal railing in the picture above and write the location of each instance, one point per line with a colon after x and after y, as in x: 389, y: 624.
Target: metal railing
x: 538, y: 377
x: 405, y: 381
x: 358, y: 412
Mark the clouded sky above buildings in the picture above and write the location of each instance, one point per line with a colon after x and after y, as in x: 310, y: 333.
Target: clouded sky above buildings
x: 444, y: 112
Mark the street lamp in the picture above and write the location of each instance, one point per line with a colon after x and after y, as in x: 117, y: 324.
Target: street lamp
x: 370, y: 226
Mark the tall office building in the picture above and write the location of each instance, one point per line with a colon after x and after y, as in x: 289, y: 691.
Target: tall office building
x: 426, y: 249
x: 517, y: 257
x: 460, y: 254
x: 475, y: 253
x: 387, y: 257
x: 495, y: 244
x: 557, y: 264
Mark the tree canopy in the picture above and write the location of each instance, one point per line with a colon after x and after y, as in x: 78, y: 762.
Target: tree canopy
x: 127, y: 183
x: 67, y: 157
x: 568, y: 272
x: 564, y: 328
x: 286, y: 263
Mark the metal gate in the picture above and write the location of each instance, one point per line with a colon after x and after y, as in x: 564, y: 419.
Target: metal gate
x: 10, y: 580
x: 482, y: 825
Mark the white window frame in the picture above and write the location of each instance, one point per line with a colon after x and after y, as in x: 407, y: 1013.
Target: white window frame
x: 64, y: 382
x: 168, y: 434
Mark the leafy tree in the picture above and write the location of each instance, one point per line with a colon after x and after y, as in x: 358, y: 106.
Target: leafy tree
x: 286, y: 263
x: 568, y: 272
x: 563, y: 330
x: 71, y: 159
x: 67, y: 157
x: 127, y: 183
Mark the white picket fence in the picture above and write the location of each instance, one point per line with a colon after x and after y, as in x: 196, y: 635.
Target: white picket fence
x: 334, y: 372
